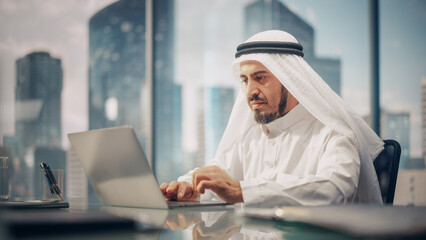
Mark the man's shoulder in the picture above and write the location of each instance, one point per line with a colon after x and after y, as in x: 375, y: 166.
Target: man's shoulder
x: 313, y: 134
x: 309, y: 126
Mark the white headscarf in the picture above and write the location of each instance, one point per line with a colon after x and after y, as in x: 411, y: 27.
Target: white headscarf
x: 317, y: 97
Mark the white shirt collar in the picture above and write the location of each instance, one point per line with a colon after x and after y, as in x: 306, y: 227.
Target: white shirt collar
x: 279, y: 125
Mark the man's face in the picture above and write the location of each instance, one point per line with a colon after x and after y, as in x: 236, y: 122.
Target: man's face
x: 266, y: 96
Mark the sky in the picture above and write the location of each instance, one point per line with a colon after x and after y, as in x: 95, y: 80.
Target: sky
x: 206, y: 36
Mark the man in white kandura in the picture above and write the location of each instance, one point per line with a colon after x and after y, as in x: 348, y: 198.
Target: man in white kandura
x: 304, y: 146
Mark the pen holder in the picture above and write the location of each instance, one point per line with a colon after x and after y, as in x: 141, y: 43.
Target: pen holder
x: 58, y: 174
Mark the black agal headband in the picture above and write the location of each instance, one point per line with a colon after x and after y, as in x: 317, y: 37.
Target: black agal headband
x: 269, y: 47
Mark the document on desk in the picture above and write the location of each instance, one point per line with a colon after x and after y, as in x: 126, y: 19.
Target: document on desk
x: 356, y: 220
x: 30, y: 204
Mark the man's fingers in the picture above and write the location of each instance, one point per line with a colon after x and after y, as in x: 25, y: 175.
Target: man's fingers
x: 177, y: 190
x: 171, y: 190
x: 204, y: 176
x: 163, y: 187
x: 217, y: 180
x: 172, y: 187
x: 209, y: 172
x: 205, y: 184
x: 200, y: 176
x: 182, y: 191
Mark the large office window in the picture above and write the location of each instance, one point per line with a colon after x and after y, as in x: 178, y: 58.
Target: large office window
x: 71, y: 66
x: 402, y: 68
x: 206, y: 36
x: 403, y: 92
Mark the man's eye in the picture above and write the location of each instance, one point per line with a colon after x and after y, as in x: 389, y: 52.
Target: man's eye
x: 244, y: 81
x: 259, y: 78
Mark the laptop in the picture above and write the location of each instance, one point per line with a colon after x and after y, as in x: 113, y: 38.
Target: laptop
x: 119, y: 172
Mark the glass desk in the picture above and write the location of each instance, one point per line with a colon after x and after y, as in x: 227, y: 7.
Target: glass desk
x: 184, y: 223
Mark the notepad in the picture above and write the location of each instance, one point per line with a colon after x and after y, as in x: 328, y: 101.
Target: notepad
x: 356, y: 220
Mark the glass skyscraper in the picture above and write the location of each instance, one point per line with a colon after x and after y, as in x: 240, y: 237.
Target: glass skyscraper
x: 218, y: 104
x: 38, y: 100
x: 396, y: 125
x: 265, y: 15
x: 117, y: 66
x: 167, y: 108
x: 37, y: 121
x: 118, y: 93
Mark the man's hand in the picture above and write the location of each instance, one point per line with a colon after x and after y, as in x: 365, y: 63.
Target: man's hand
x: 179, y: 191
x: 224, y: 228
x: 218, y: 181
x: 182, y: 220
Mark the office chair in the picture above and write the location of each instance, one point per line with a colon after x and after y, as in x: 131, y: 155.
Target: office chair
x: 386, y: 166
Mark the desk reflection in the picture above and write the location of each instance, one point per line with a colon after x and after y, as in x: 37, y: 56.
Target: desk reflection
x: 194, y: 223
x: 205, y: 225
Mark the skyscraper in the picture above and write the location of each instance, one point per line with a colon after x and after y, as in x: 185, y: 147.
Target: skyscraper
x: 218, y: 104
x: 167, y: 96
x: 117, y: 66
x: 265, y: 15
x: 38, y: 89
x: 37, y: 119
x: 396, y: 125
x: 117, y: 70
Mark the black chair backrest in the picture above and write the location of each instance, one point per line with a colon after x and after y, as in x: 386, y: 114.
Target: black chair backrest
x: 386, y: 165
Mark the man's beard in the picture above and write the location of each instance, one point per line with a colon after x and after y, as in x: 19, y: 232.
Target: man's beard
x: 269, y: 117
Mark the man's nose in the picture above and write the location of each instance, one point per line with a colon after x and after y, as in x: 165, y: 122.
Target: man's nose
x: 252, y: 88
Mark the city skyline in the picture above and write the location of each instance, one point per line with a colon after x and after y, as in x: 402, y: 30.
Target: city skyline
x: 395, y: 94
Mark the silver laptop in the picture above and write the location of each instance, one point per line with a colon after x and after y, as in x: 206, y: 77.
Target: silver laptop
x: 119, y: 172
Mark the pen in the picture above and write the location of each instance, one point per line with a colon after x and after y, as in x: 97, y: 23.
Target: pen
x: 53, y: 185
x: 52, y: 179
